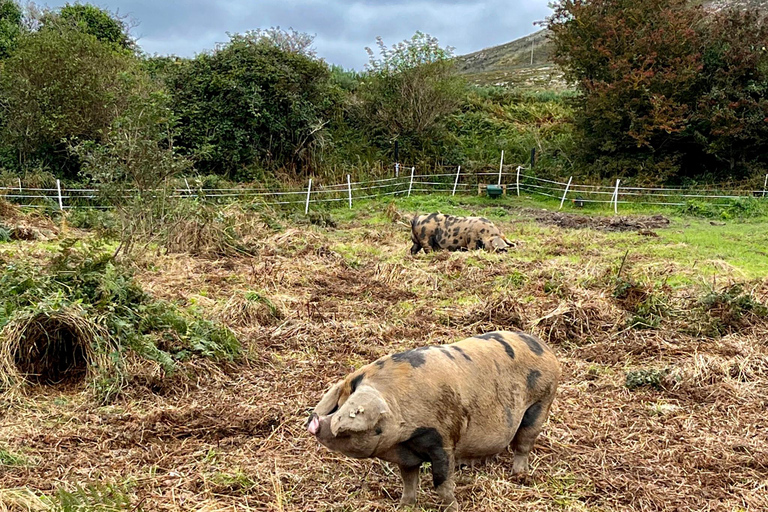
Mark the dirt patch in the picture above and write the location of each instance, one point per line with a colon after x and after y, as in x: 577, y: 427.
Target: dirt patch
x: 642, y: 223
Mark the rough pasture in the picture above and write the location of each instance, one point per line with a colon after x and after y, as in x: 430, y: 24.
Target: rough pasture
x: 689, y: 435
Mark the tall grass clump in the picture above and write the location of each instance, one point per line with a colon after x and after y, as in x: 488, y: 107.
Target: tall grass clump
x: 76, y: 317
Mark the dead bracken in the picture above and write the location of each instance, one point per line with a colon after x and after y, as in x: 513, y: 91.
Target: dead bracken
x: 233, y: 437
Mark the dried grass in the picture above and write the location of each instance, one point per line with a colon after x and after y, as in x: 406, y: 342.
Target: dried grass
x: 233, y: 438
x: 52, y: 347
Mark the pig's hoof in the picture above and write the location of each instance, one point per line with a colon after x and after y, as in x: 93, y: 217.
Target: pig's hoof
x: 452, y: 507
x: 407, y: 501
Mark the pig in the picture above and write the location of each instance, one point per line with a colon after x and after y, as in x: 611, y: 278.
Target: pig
x: 437, y: 231
x: 443, y: 404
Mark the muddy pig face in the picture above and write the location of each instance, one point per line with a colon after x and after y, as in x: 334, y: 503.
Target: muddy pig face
x: 352, y: 426
x: 498, y: 244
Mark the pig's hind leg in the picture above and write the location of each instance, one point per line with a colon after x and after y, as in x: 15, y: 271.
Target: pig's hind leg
x: 529, y: 429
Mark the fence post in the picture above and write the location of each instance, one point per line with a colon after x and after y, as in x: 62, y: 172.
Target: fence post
x: 58, y: 188
x: 397, y: 170
x: 349, y: 189
x: 309, y: 191
x: 616, y: 198
x: 410, y: 186
x: 455, y: 183
x: 517, y: 180
x: 20, y: 192
x: 501, y: 164
x: 189, y: 190
x: 566, y: 192
x: 764, y: 184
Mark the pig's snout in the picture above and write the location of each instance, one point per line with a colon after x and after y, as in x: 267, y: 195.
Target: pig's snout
x: 314, y: 424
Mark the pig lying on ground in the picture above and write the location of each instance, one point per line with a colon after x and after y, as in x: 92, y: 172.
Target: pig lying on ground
x: 437, y: 231
x: 443, y: 404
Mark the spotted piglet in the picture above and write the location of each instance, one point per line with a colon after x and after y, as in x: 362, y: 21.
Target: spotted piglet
x: 437, y: 231
x: 442, y: 404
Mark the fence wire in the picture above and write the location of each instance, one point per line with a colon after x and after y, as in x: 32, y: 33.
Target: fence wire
x: 513, y: 179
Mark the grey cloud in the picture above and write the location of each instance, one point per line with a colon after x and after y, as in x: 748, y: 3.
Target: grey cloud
x: 342, y: 29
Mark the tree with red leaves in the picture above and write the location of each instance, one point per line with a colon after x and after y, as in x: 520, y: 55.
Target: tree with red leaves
x: 669, y: 91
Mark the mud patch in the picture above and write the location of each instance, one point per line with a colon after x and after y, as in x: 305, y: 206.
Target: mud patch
x: 642, y: 223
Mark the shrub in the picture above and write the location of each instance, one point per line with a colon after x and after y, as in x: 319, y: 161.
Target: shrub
x: 646, y: 377
x: 87, y: 280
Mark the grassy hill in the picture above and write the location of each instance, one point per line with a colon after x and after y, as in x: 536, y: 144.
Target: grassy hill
x: 524, y: 62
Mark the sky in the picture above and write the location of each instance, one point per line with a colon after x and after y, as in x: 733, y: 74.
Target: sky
x: 342, y: 29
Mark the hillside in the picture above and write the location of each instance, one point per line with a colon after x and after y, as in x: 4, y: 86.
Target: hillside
x: 526, y: 62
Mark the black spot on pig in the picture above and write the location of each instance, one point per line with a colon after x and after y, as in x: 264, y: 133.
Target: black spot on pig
x: 426, y: 445
x: 510, y: 417
x: 532, y: 379
x: 531, y: 415
x: 413, y: 357
x: 498, y: 337
x: 532, y: 343
x: 464, y: 354
x: 355, y: 382
x: 447, y: 353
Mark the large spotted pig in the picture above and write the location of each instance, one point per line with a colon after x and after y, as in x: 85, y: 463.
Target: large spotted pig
x: 443, y: 404
x: 437, y: 231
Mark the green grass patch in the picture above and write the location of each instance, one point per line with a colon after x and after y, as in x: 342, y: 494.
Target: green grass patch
x: 11, y: 459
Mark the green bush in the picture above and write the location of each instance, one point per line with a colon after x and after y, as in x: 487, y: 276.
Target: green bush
x: 86, y: 275
x: 742, y: 208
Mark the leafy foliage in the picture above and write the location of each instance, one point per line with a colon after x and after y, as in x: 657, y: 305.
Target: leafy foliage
x: 89, y: 277
x: 666, y: 87
x: 89, y: 19
x: 254, y: 99
x: 10, y: 26
x: 409, y: 92
x: 650, y: 377
x: 60, y: 85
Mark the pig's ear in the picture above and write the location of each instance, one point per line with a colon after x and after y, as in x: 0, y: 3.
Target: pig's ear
x: 330, y: 400
x: 361, y: 412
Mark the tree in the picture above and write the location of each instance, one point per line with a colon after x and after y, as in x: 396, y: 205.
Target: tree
x: 89, y: 19
x: 409, y: 91
x: 731, y: 116
x: 251, y: 101
x: 10, y: 26
x: 657, y: 81
x: 60, y: 85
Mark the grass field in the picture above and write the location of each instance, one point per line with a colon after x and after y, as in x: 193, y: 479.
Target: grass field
x: 660, y: 327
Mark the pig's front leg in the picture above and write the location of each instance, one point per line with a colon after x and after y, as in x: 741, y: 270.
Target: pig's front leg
x: 410, y: 476
x: 442, y: 476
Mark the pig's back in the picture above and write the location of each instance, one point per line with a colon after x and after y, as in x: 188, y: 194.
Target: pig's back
x: 476, y: 391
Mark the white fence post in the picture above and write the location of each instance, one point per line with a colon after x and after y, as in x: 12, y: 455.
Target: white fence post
x: 309, y: 191
x: 455, y: 183
x: 58, y: 188
x: 517, y: 180
x: 397, y: 170
x: 20, y: 192
x: 566, y: 192
x: 616, y: 198
x: 501, y: 165
x: 764, y: 184
x: 349, y: 189
x: 189, y: 190
x: 410, y: 186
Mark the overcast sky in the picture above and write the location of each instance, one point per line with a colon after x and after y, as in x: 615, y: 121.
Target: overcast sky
x: 342, y: 28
